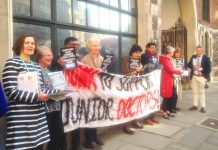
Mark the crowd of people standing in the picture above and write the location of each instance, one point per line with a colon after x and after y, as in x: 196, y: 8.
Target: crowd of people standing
x: 34, y: 122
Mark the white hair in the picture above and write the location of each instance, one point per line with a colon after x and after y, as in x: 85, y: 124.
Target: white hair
x: 90, y: 41
x: 169, y: 49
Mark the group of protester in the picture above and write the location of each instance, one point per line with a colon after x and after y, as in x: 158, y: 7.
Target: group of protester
x: 33, y: 119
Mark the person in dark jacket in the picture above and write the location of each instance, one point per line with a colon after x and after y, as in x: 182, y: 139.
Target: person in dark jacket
x: 200, y: 66
x: 150, y: 63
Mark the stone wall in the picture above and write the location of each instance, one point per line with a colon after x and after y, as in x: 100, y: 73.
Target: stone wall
x: 213, y: 23
x: 215, y: 56
x: 5, y: 49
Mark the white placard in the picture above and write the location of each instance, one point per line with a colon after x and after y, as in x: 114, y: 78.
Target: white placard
x: 28, y: 81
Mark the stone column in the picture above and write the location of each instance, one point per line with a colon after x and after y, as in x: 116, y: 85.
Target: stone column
x: 6, y: 24
x: 5, y: 48
x: 143, y: 9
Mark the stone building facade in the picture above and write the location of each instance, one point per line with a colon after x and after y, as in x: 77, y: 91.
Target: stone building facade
x: 207, y: 11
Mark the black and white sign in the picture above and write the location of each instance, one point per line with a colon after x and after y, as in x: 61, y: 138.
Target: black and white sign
x: 133, y: 63
x: 69, y: 56
x: 180, y: 63
x: 107, y: 60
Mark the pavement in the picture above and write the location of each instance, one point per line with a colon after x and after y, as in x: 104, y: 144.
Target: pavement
x: 183, y: 132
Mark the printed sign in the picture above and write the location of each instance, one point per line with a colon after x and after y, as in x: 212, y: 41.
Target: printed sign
x: 107, y: 60
x: 180, y: 63
x: 133, y: 63
x: 28, y: 81
x: 69, y: 56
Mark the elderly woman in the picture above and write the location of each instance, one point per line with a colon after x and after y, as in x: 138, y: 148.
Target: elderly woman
x: 94, y: 60
x: 168, y: 90
x: 44, y: 57
x: 27, y: 127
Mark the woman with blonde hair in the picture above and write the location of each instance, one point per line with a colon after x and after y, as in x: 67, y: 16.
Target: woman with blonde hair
x: 94, y: 60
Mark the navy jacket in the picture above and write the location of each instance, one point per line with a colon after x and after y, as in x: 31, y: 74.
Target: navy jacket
x: 148, y: 62
x: 205, y: 64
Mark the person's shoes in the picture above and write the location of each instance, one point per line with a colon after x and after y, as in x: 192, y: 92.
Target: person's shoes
x: 137, y: 125
x: 148, y: 122
x: 165, y: 116
x: 99, y: 141
x: 128, y: 130
x: 155, y: 120
x: 193, y: 108
x: 171, y: 115
x: 177, y: 109
x: 92, y: 145
x: 173, y: 111
x: 203, y: 110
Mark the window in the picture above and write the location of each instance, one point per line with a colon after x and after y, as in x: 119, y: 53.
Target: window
x: 64, y: 13
x: 93, y: 15
x: 206, y: 10
x: 79, y: 13
x: 21, y: 7
x: 41, y: 9
x: 114, y: 3
x: 51, y: 21
x: 42, y: 33
x: 126, y: 45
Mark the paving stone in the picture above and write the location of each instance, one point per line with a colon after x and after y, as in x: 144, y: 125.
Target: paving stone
x: 162, y: 129
x: 199, y: 133
x: 190, y: 117
x: 214, y: 115
x: 213, y: 139
x: 132, y: 147
x: 195, y: 137
x: 113, y: 145
x: 190, y: 142
x: 176, y: 123
x: 113, y: 141
x: 148, y: 140
x: 177, y: 147
x: 180, y: 134
x: 206, y: 146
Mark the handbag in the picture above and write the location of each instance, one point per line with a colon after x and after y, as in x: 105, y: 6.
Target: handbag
x: 3, y: 102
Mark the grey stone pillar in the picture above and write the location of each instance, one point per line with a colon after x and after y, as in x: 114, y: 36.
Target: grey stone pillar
x: 5, y: 49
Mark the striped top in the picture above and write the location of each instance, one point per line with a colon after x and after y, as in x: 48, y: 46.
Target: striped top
x: 26, y: 121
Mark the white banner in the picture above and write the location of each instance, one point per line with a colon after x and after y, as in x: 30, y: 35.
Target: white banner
x: 104, y: 99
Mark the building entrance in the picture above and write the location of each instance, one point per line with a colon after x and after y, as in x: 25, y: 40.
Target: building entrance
x: 176, y: 36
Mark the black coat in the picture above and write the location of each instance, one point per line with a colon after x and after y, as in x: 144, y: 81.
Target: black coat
x: 205, y: 64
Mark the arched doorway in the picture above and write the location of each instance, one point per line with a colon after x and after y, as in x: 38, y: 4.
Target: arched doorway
x: 176, y: 36
x: 171, y: 10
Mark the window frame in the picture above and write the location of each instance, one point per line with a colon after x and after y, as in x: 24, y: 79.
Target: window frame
x: 54, y: 24
x: 206, y: 10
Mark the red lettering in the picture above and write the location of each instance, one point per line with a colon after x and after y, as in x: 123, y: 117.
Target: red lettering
x: 81, y: 77
x: 133, y: 106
